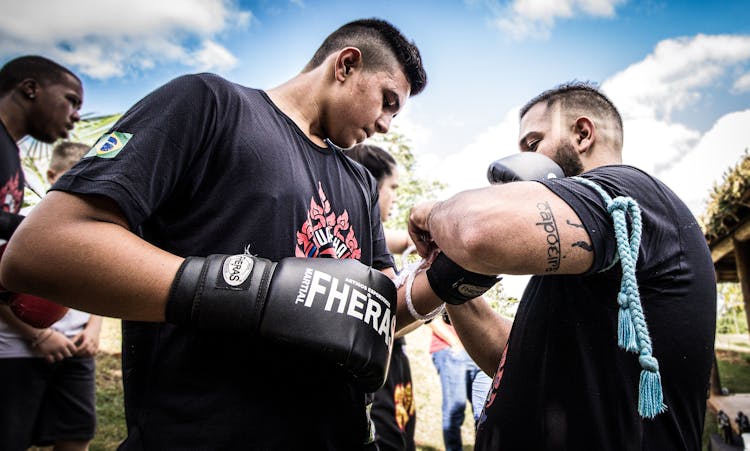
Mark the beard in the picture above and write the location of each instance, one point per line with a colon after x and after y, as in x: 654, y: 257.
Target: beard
x: 568, y: 159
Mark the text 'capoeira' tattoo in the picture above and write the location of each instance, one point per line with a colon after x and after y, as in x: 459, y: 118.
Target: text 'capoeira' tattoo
x: 552, y: 238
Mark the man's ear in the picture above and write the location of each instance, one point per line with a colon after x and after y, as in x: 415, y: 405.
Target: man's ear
x: 28, y: 88
x: 585, y: 134
x: 51, y: 176
x: 349, y: 59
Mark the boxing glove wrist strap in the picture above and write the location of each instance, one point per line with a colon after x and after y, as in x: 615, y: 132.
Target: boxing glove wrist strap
x: 454, y: 284
x: 223, y: 292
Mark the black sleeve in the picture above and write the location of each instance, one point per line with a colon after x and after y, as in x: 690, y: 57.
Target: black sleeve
x: 159, y: 137
x: 8, y: 224
x: 592, y: 210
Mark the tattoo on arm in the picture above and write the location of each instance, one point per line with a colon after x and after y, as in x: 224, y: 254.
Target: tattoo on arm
x: 552, y: 236
x: 582, y: 244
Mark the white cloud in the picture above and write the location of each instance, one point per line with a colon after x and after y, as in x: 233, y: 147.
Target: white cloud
x: 213, y: 56
x: 467, y: 168
x: 107, y: 39
x: 671, y: 78
x: 742, y: 84
x: 535, y: 18
x: 717, y: 150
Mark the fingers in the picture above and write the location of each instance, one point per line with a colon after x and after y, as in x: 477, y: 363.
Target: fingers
x: 86, y: 346
x: 419, y: 229
x: 57, y: 347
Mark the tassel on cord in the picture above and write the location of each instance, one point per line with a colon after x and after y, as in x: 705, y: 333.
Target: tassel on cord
x: 632, y: 330
x: 625, y: 331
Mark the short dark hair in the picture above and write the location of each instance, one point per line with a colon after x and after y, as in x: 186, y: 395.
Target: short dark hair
x: 37, y: 67
x: 378, y: 40
x: 375, y: 159
x: 66, y: 154
x: 579, y: 97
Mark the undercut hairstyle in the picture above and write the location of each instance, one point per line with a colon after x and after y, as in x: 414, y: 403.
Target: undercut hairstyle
x: 39, y: 68
x: 582, y: 98
x: 375, y: 159
x: 380, y: 42
x: 66, y: 154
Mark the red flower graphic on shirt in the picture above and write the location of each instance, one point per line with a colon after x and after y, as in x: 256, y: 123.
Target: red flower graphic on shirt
x: 11, y: 194
x: 324, y: 234
x: 498, y: 376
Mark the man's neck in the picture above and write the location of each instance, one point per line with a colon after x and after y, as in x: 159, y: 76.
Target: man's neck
x: 10, y: 112
x: 297, y: 98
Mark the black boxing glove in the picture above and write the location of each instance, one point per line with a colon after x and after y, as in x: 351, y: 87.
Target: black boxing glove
x: 454, y: 284
x: 340, y: 309
x: 523, y: 166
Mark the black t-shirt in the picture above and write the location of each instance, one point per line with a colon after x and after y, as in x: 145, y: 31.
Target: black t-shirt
x: 204, y: 166
x: 11, y: 182
x: 563, y: 383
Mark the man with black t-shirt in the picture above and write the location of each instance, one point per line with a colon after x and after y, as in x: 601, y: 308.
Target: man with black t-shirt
x: 608, y: 280
x: 40, y: 98
x: 240, y: 345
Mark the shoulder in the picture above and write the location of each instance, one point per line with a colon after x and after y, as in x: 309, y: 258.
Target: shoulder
x: 615, y: 180
x: 207, y: 82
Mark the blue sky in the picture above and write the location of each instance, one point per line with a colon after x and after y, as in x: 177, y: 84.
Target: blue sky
x: 678, y: 70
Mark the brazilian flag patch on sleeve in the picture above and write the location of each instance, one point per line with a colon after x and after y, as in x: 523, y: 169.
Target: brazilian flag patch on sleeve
x: 109, y: 145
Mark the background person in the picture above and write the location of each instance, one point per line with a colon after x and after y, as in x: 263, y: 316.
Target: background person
x: 46, y: 375
x: 565, y: 378
x: 394, y: 408
x: 457, y: 373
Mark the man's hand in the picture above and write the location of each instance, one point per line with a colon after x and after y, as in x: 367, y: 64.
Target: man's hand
x: 86, y: 343
x: 56, y: 347
x: 419, y: 228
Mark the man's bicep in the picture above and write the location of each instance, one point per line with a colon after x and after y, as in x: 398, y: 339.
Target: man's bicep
x: 528, y: 229
x: 83, y: 207
x: 561, y: 237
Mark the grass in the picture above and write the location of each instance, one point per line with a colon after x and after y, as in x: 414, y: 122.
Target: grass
x: 734, y: 368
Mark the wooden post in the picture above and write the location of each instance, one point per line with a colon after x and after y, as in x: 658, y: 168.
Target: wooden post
x: 742, y: 258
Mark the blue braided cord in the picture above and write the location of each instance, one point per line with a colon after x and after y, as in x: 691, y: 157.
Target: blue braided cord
x: 632, y: 330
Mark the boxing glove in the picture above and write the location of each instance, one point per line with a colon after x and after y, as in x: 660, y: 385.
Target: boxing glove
x: 523, y: 166
x: 35, y: 311
x: 340, y: 309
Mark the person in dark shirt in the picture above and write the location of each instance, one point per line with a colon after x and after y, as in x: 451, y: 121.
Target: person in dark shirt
x: 612, y: 344
x: 394, y: 408
x: 207, y: 173
x: 39, y: 98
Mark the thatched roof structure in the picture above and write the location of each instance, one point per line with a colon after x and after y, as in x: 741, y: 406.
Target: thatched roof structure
x: 727, y: 216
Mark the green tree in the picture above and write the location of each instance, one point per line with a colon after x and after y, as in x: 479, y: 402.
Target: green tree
x: 412, y: 188
x: 731, y: 318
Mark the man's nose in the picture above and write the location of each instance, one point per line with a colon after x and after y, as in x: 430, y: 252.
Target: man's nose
x: 383, y: 124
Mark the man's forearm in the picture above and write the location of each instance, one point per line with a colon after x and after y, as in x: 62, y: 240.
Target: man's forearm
x: 483, y: 332
x: 424, y: 300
